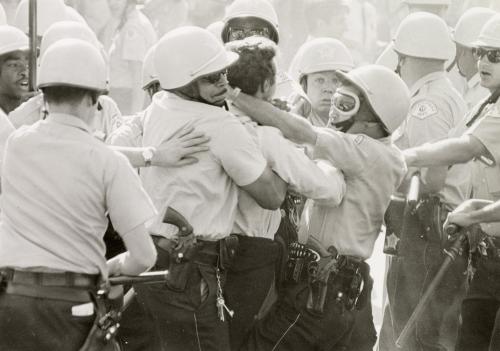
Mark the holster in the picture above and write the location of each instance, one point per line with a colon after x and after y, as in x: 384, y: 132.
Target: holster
x: 177, y: 257
x: 348, y: 276
x: 318, y: 284
x: 432, y: 215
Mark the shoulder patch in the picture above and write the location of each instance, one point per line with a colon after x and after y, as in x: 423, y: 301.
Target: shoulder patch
x: 424, y: 109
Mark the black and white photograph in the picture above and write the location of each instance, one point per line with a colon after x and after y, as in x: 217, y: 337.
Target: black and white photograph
x: 249, y: 175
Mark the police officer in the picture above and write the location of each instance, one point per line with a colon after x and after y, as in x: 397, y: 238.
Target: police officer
x: 48, y: 12
x: 14, y: 48
x: 245, y: 18
x: 132, y: 34
x: 466, y: 32
x: 131, y: 131
x: 314, y: 67
x: 108, y: 116
x: 190, y: 312
x: 438, y: 7
x: 480, y: 144
x: 250, y: 278
x: 52, y: 253
x: 345, y: 235
x: 423, y: 44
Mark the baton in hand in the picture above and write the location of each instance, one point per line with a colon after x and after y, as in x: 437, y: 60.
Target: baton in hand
x: 144, y: 278
x: 451, y: 255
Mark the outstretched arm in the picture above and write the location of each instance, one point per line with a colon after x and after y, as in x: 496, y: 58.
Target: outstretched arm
x: 475, y: 211
x: 293, y: 127
x: 177, y: 151
x: 445, y: 152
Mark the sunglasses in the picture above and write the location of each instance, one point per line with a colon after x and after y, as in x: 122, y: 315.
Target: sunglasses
x: 242, y: 33
x: 215, y: 77
x: 493, y: 55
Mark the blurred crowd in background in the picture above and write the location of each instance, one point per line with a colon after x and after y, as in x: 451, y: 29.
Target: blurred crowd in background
x: 128, y: 28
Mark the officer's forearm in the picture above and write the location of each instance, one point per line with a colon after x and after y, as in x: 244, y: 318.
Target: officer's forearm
x: 293, y: 127
x: 442, y: 153
x: 141, y: 254
x: 489, y: 213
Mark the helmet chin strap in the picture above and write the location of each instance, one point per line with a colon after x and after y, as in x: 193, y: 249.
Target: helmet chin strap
x: 345, y: 125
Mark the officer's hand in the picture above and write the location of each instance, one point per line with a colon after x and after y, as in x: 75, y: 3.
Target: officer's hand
x: 179, y: 149
x: 461, y: 215
x: 281, y: 104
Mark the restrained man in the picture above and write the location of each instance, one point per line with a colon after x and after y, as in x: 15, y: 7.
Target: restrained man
x: 250, y: 279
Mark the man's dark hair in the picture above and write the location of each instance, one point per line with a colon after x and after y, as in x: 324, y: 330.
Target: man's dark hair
x: 66, y: 94
x: 255, y: 64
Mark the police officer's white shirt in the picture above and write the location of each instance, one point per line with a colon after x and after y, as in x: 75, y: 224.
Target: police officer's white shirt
x: 58, y: 185
x: 486, y: 175
x: 475, y: 92
x: 437, y: 111
x: 106, y: 120
x: 205, y: 193
x: 373, y: 169
x: 6, y: 128
x: 304, y: 176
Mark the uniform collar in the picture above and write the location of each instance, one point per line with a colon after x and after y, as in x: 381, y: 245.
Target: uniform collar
x: 474, y: 81
x: 425, y: 80
x: 68, y: 120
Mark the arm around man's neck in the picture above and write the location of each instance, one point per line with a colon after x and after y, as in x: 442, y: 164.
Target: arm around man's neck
x: 293, y: 127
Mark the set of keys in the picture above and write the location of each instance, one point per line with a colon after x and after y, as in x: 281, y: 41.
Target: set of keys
x: 220, y: 302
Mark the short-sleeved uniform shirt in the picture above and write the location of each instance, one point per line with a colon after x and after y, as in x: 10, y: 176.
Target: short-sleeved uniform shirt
x: 486, y: 170
x: 437, y: 111
x: 474, y: 92
x: 294, y: 167
x: 373, y: 170
x: 58, y: 185
x: 131, y: 43
x: 6, y: 128
x: 107, y: 118
x: 205, y: 193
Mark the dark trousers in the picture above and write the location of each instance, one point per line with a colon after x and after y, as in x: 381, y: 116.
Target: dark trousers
x: 137, y: 329
x: 408, y: 277
x: 291, y: 326
x: 28, y: 323
x: 363, y: 335
x: 185, y: 320
x: 248, y: 283
x: 480, y: 329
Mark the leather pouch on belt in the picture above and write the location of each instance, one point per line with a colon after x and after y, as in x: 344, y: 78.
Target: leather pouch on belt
x: 432, y: 215
x: 318, y: 286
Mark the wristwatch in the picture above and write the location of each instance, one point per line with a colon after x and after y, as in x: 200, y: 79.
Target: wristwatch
x: 148, y: 156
